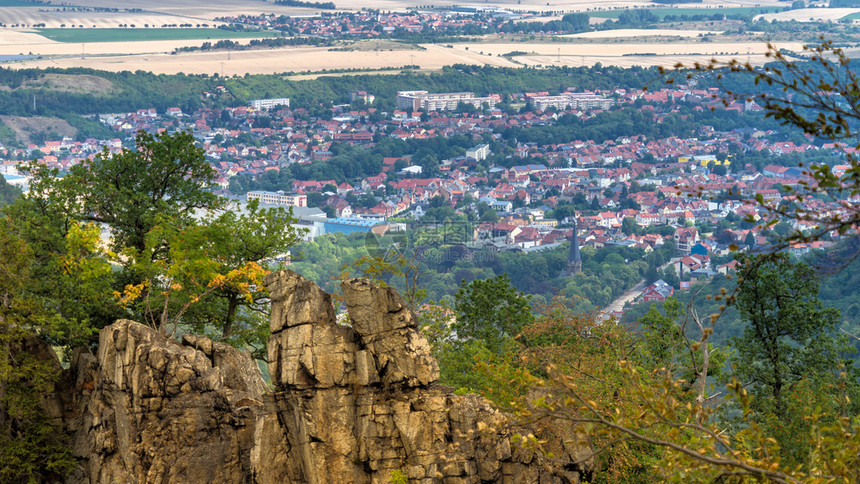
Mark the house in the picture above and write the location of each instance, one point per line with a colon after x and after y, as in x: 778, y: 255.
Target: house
x: 658, y: 291
x: 728, y: 266
x: 691, y: 263
x: 341, y: 207
x: 502, y: 205
x: 685, y: 239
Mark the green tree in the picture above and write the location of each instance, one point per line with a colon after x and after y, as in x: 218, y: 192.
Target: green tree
x: 629, y: 226
x: 789, y: 338
x: 201, y: 271
x: 33, y: 447
x: 165, y: 176
x: 207, y: 276
x: 8, y: 193
x: 491, y: 311
x: 670, y: 275
x: 749, y: 240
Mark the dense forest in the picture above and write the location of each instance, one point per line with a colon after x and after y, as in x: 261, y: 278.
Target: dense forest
x: 132, y: 90
x: 606, y: 272
x: 839, y: 290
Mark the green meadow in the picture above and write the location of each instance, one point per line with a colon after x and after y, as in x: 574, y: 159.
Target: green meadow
x: 853, y: 16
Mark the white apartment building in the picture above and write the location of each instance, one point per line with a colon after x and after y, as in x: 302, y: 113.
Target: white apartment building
x: 279, y: 198
x: 270, y: 103
x: 478, y: 153
x: 415, y: 100
x: 577, y: 100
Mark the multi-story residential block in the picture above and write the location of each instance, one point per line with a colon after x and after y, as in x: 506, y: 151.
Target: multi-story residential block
x: 416, y: 100
x: 576, y: 100
x: 279, y: 198
x: 478, y: 153
x: 270, y: 103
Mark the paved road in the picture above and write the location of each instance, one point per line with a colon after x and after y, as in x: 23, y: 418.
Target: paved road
x: 628, y: 296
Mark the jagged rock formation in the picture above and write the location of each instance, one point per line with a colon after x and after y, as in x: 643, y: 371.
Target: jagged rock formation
x: 352, y: 403
x: 162, y: 411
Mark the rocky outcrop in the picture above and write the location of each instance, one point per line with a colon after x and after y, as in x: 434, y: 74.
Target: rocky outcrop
x: 163, y: 411
x: 353, y: 402
x: 358, y: 400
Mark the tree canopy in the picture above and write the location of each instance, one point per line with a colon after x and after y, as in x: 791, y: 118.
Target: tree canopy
x: 179, y: 255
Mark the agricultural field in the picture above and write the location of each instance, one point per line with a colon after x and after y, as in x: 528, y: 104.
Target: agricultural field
x: 144, y: 34
x: 14, y: 42
x: 154, y: 49
x: 709, y: 9
x: 273, y: 61
x: 374, y: 45
x: 627, y: 33
x: 434, y: 56
x: 811, y: 14
x: 14, y: 3
x: 56, y: 17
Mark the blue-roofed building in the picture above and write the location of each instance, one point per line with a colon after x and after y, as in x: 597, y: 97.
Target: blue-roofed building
x: 348, y: 225
x: 699, y: 249
x: 19, y: 181
x: 527, y: 169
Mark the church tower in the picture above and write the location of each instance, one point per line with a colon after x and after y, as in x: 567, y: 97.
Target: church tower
x: 574, y: 260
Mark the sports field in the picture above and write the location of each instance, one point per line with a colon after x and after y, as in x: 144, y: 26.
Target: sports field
x: 71, y: 35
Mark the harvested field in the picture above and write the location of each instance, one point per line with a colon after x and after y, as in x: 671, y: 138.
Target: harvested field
x: 24, y: 127
x: 272, y: 61
x: 144, y: 34
x: 23, y: 42
x: 95, y: 50
x: 635, y: 60
x: 811, y: 14
x: 621, y: 33
x: 301, y: 59
x: 28, y: 16
x: 198, y: 9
